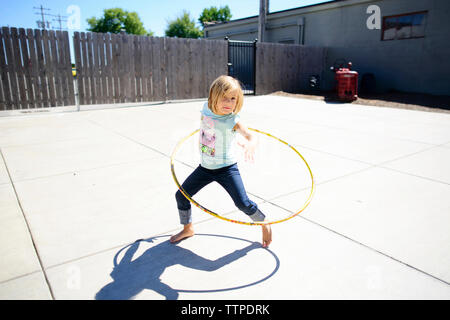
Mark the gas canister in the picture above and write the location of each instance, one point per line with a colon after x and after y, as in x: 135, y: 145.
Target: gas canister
x: 346, y: 83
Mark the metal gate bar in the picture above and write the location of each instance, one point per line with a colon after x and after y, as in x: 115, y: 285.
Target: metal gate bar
x: 242, y: 63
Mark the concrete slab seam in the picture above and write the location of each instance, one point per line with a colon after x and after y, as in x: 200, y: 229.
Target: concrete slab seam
x: 28, y: 227
x: 363, y: 245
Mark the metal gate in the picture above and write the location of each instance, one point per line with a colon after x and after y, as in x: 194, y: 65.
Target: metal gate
x: 241, y: 63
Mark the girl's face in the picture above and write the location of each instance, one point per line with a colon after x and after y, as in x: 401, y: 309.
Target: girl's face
x: 227, y: 103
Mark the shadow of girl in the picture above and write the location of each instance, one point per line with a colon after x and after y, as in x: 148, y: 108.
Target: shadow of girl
x: 130, y: 277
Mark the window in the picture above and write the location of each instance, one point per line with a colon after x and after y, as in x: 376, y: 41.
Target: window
x: 405, y: 26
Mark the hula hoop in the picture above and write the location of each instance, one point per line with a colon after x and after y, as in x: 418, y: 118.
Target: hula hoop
x: 198, y: 205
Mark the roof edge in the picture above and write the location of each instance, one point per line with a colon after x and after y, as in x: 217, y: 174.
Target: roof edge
x: 275, y: 12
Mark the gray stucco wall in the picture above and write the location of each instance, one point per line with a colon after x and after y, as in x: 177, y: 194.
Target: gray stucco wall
x: 410, y: 65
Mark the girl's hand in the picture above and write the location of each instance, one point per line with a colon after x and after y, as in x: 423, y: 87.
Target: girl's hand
x: 250, y: 144
x: 249, y: 150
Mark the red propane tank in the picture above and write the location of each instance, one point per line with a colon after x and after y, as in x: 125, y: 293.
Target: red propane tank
x: 347, y: 84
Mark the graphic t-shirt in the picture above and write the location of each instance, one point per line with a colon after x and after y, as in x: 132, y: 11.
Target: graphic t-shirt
x: 217, y: 139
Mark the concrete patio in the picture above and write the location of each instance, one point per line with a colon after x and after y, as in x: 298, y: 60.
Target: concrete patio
x: 79, y: 189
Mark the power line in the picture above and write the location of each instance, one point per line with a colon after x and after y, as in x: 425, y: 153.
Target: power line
x: 60, y: 21
x: 42, y: 23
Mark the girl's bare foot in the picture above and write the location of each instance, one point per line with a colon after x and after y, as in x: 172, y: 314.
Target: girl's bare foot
x: 266, y: 235
x: 188, y: 231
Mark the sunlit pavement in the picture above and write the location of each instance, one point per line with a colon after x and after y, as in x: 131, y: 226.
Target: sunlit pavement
x: 87, y: 205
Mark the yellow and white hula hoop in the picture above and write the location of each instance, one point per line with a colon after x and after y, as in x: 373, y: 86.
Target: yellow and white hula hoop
x: 198, y: 205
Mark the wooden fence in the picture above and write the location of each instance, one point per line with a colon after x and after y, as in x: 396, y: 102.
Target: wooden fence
x: 287, y: 67
x: 118, y: 68
x: 35, y: 69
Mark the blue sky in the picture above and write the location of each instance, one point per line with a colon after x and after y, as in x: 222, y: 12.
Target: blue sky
x: 153, y: 13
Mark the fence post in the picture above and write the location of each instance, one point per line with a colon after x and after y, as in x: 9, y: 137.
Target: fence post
x: 254, y: 66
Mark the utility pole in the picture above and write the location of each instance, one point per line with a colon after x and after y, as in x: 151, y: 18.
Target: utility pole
x: 263, y: 11
x: 59, y: 20
x: 41, y: 23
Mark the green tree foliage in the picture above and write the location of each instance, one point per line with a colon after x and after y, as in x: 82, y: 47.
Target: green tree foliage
x: 115, y: 20
x: 183, y: 27
x: 213, y: 14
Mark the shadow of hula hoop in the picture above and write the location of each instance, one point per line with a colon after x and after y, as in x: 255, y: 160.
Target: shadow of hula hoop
x: 277, y: 264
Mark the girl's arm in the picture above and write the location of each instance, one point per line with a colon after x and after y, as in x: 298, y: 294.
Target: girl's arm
x: 252, y: 143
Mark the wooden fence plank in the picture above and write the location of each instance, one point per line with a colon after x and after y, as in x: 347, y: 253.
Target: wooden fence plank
x: 95, y: 69
x: 194, y: 67
x: 115, y: 54
x: 124, y: 69
x: 61, y: 65
x: 10, y: 56
x: 146, y: 72
x: 186, y: 78
x: 55, y: 66
x: 191, y: 77
x: 123, y: 72
x: 43, y: 80
x: 169, y: 58
x: 95, y: 75
x: 78, y: 66
x: 198, y: 61
x: 7, y: 100
x: 131, y: 68
x: 155, y: 67
x: 137, y: 53
x: 178, y: 50
x: 182, y: 72
x: 2, y: 70
x: 158, y: 81
x: 91, y: 67
x: 121, y: 60
x: 18, y: 66
x: 102, y: 67
x: 85, y: 69
x: 108, y: 69
x: 34, y: 69
x: 67, y: 68
x: 145, y: 69
x: 29, y: 98
x: 208, y: 63
x: 49, y: 68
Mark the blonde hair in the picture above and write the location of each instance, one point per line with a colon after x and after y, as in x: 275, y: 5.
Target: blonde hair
x: 222, y: 86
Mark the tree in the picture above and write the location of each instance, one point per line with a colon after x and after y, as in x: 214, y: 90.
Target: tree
x: 115, y: 20
x: 213, y: 14
x: 183, y: 27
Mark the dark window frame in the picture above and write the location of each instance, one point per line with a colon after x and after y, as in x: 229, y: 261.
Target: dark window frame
x: 383, y: 28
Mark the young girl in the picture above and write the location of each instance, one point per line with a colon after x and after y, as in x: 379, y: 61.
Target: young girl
x: 220, y: 121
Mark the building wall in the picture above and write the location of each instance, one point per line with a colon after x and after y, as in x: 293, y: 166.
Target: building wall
x: 410, y: 65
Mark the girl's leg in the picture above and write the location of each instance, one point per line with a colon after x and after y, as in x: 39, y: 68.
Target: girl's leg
x: 230, y: 179
x: 198, y: 179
